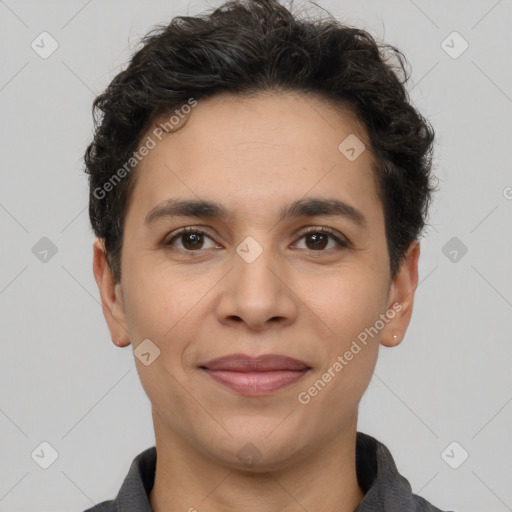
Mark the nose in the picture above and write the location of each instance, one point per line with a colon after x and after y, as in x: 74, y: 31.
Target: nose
x: 257, y: 293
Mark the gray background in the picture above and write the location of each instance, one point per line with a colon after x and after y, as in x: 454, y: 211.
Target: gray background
x: 63, y: 381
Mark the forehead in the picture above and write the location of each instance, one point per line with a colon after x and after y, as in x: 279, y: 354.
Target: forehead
x: 252, y: 151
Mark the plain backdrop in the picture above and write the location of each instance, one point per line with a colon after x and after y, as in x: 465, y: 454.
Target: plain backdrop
x: 63, y: 382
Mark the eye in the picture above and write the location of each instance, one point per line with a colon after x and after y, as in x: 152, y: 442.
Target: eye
x: 192, y: 239
x: 319, y: 238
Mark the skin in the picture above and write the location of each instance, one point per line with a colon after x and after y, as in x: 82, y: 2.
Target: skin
x: 294, y: 299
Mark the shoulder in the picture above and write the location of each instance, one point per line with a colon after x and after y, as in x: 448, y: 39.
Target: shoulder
x: 135, y: 489
x: 385, y: 489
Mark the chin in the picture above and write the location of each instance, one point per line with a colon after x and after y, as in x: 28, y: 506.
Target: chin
x: 257, y: 451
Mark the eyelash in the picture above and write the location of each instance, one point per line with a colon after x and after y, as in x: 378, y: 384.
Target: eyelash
x: 323, y: 231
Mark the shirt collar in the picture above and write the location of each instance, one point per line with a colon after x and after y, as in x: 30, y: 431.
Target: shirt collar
x: 385, y: 489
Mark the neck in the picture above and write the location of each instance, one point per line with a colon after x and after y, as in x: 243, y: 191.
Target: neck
x: 323, y: 480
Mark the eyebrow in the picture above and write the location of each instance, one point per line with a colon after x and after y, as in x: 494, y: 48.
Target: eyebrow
x: 212, y: 210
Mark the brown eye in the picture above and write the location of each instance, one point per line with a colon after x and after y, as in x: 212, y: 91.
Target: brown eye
x: 317, y: 239
x: 191, y: 239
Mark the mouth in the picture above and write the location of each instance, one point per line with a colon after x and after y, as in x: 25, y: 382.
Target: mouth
x: 255, y: 376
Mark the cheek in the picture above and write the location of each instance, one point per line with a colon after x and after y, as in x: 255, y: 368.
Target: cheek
x: 347, y: 303
x: 158, y: 309
x: 349, y: 307
x: 148, y: 295
x: 346, y: 311
x: 161, y: 305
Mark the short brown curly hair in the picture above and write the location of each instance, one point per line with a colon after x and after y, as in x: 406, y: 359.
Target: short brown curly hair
x: 251, y: 46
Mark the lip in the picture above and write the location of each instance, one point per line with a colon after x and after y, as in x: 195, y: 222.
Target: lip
x: 255, y: 376
x: 246, y: 363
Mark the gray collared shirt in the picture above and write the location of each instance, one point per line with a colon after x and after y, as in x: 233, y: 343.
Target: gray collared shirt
x: 385, y: 490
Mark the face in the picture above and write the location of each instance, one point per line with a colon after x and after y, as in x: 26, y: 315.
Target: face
x: 253, y: 281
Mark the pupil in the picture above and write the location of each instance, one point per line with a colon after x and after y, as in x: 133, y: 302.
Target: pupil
x: 197, y: 239
x: 317, y: 239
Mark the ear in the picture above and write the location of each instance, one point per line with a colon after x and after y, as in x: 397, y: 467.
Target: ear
x: 111, y: 296
x: 401, y: 297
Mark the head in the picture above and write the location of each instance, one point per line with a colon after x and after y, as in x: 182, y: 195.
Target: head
x: 270, y: 124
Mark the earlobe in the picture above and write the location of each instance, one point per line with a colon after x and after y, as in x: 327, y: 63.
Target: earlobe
x: 111, y: 297
x: 391, y: 339
x: 402, y: 293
